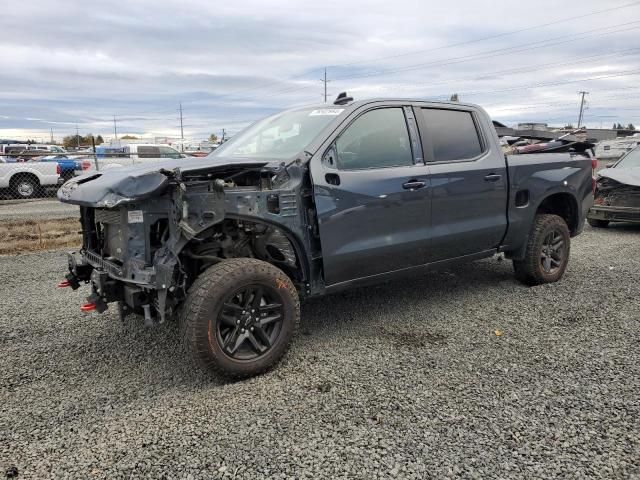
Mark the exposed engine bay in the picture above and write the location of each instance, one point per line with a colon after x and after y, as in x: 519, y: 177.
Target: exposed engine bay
x: 148, y: 238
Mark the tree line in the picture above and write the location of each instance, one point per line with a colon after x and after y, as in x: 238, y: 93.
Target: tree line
x: 619, y: 126
x: 75, y: 140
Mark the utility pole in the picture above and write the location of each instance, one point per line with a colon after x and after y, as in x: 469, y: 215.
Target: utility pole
x: 181, y: 130
x: 77, y: 137
x: 115, y: 128
x: 583, y: 93
x: 223, y: 134
x: 325, y: 81
x: 52, y: 135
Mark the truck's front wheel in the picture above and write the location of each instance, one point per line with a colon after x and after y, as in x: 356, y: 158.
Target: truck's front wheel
x: 239, y: 317
x: 547, y: 253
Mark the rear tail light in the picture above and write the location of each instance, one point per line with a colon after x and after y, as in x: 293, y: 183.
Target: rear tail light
x: 86, y: 165
x: 594, y: 163
x: 58, y: 169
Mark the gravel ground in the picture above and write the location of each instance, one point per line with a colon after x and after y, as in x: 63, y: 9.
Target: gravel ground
x: 462, y: 373
x: 37, y: 209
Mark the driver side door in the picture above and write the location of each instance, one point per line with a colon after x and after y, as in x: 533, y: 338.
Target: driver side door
x: 371, y: 190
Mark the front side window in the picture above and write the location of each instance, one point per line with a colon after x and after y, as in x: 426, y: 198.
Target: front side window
x: 452, y: 134
x: 377, y: 139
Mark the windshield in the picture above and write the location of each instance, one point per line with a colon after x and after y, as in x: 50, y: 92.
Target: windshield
x: 280, y: 136
x: 632, y: 159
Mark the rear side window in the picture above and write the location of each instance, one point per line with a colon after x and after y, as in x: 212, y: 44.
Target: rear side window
x: 452, y: 134
x: 148, y: 152
x: 378, y: 138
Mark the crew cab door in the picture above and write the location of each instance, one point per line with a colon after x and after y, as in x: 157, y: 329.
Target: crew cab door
x: 372, y: 196
x: 468, y: 179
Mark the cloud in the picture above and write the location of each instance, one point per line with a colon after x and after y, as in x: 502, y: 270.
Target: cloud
x: 73, y: 62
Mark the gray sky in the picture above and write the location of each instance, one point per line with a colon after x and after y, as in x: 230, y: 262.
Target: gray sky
x: 76, y: 62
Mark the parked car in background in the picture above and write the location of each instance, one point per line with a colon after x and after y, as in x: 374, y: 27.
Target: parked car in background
x: 68, y: 166
x: 29, y: 179
x: 12, y: 148
x: 617, y: 194
x: 124, y: 155
x: 612, y: 150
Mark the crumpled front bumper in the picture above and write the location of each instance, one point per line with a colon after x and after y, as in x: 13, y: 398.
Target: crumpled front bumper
x: 614, y: 213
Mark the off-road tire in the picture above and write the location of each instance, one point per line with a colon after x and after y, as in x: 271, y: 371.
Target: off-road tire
x: 530, y: 270
x: 594, y: 222
x: 202, y: 307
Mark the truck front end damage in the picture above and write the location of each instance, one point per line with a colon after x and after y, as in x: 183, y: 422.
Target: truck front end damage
x: 617, y: 197
x: 147, y: 234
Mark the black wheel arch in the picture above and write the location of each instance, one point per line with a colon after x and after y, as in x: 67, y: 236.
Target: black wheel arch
x: 562, y: 202
x: 297, y: 244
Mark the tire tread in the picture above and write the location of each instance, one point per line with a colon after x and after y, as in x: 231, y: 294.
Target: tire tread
x: 214, y: 279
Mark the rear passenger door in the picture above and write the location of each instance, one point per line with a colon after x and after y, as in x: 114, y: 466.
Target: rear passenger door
x: 468, y: 181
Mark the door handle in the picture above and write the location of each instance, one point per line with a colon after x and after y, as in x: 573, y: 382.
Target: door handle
x: 332, y: 178
x: 414, y: 184
x: 492, y: 177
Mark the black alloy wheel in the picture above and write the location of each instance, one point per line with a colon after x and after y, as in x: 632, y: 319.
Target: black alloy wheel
x: 546, y: 255
x: 249, y: 322
x: 239, y: 317
x: 552, y: 254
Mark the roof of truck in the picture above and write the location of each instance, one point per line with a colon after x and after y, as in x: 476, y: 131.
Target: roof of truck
x: 358, y: 103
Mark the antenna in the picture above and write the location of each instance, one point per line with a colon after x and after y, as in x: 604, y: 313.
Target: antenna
x: 342, y: 99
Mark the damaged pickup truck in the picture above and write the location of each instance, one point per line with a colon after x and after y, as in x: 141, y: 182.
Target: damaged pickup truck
x: 617, y: 195
x: 311, y: 201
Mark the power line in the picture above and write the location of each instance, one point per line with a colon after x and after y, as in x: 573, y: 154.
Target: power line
x: 526, y: 69
x: 490, y: 37
x: 499, y: 51
x: 623, y: 73
x: 499, y: 35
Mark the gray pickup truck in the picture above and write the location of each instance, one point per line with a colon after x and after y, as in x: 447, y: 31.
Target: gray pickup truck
x: 311, y: 201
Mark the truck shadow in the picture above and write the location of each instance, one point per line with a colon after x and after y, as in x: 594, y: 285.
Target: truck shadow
x: 432, y: 290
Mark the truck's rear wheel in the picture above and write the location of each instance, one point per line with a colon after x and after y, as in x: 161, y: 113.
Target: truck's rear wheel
x: 594, y: 222
x: 547, y: 253
x: 239, y: 317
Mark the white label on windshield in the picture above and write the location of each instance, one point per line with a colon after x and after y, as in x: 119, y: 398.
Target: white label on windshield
x: 327, y: 111
x: 135, y: 216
